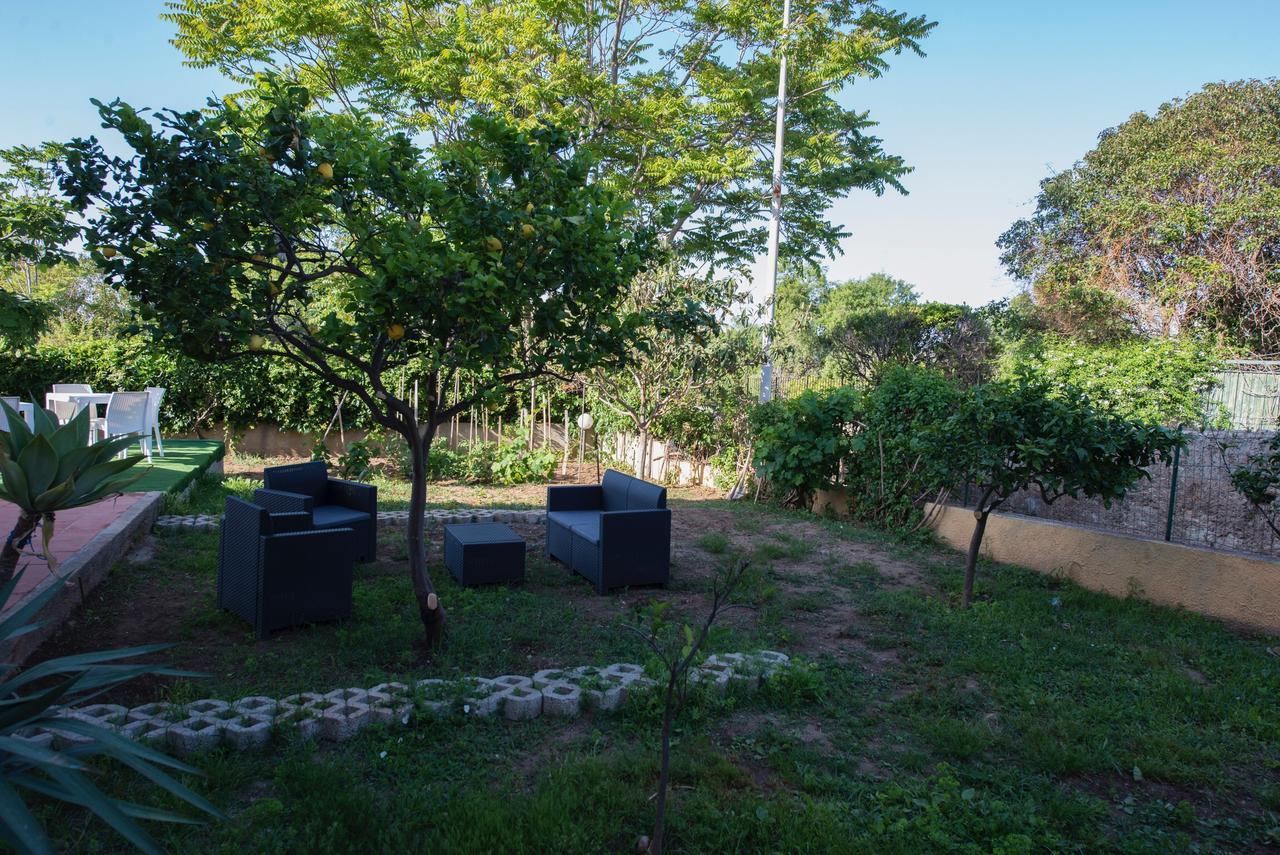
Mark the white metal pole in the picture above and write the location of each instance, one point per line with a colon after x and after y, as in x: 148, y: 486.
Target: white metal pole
x: 775, y: 219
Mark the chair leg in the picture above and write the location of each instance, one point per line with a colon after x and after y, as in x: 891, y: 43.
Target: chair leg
x: 159, y: 442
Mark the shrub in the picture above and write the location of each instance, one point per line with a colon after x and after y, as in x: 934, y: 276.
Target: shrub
x: 883, y: 445
x: 357, y: 461
x: 443, y: 464
x: 515, y: 464
x: 800, y: 442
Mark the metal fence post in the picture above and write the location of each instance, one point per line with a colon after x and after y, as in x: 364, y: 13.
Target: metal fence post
x: 1173, y: 492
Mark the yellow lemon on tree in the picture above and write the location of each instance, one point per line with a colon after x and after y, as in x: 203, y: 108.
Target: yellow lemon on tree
x: 256, y: 342
x: 273, y: 289
x: 326, y: 171
x: 527, y: 230
x: 208, y: 227
x: 259, y: 258
x: 493, y: 244
x: 395, y: 332
x: 108, y: 252
x: 528, y: 209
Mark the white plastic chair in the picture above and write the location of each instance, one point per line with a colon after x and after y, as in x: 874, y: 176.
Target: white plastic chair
x: 127, y: 413
x: 155, y: 397
x: 4, y: 417
x: 66, y: 410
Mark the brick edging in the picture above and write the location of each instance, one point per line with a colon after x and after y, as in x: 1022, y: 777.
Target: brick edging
x: 340, y: 714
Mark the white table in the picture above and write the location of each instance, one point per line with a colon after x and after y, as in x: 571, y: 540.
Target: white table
x: 28, y: 411
x: 83, y: 399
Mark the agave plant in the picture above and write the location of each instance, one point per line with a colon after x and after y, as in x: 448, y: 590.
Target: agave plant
x: 34, y: 699
x: 42, y: 472
x: 52, y: 469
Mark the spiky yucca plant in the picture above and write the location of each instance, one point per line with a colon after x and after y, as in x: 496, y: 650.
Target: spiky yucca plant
x: 52, y: 469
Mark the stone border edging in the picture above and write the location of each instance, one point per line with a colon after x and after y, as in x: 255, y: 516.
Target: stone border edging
x: 172, y: 523
x: 339, y: 715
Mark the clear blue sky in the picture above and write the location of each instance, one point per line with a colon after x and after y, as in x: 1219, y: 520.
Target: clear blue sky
x: 1009, y: 91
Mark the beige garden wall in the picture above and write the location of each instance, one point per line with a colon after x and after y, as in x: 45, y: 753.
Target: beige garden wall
x: 1231, y: 586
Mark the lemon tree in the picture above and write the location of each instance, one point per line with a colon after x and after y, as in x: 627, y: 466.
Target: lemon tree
x: 261, y: 228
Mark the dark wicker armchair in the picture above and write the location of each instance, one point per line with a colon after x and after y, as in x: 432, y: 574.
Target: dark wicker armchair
x: 332, y: 502
x: 275, y: 570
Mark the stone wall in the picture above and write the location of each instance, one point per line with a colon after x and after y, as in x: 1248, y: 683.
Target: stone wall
x: 1207, y: 511
x: 1241, y: 589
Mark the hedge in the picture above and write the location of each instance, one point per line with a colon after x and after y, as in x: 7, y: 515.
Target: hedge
x: 240, y: 393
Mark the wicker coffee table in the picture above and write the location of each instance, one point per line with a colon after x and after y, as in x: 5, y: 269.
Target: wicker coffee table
x: 483, y: 553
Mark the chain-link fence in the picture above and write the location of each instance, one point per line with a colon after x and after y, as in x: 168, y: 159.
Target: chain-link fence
x: 1190, y: 502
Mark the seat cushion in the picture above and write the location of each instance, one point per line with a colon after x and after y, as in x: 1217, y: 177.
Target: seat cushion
x: 334, y: 516
x: 589, y: 531
x: 569, y: 519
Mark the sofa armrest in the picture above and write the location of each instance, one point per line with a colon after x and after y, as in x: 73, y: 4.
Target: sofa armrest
x: 644, y: 524
x: 353, y: 495
x: 635, y: 548
x: 306, y: 576
x: 290, y: 521
x: 281, y: 502
x: 585, y: 497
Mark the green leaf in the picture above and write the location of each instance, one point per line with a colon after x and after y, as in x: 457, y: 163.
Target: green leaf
x: 80, y: 789
x: 39, y: 463
x: 19, y: 822
x: 15, y: 483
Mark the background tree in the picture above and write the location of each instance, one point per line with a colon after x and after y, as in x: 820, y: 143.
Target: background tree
x: 675, y: 97
x: 22, y: 320
x: 35, y: 226
x: 325, y: 240
x: 1024, y: 434
x: 955, y: 340
x: 35, y: 221
x: 1171, y: 224
x: 665, y: 366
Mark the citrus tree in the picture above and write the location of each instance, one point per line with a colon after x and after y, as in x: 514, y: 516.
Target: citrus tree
x: 261, y: 227
x: 1024, y: 434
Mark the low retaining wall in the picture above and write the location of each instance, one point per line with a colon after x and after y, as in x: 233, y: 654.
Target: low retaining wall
x: 1238, y: 588
x: 81, y: 573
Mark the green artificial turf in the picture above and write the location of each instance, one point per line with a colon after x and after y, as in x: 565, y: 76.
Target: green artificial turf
x: 184, y: 460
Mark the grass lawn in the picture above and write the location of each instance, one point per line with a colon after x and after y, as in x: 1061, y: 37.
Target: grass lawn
x: 1047, y: 718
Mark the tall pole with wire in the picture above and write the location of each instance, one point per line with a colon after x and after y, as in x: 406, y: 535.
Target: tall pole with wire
x: 775, y: 219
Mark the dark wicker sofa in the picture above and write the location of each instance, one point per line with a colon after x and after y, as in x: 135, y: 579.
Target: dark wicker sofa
x: 616, y: 534
x: 275, y: 570
x: 332, y: 502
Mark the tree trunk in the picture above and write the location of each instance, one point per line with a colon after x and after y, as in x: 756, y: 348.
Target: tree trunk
x: 429, y: 607
x: 664, y: 771
x: 9, y: 555
x: 642, y: 465
x: 971, y: 560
